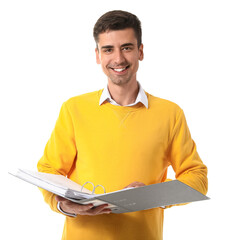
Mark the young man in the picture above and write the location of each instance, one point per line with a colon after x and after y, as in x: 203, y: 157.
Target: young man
x: 119, y: 137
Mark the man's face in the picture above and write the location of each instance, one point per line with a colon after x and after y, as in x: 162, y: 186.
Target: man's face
x: 119, y: 55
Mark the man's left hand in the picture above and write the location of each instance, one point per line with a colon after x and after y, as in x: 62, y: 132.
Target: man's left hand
x: 135, y: 184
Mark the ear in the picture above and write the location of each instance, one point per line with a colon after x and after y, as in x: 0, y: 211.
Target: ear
x: 141, y: 52
x: 97, y: 56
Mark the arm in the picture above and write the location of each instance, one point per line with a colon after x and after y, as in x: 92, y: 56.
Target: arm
x: 184, y: 158
x: 60, y: 152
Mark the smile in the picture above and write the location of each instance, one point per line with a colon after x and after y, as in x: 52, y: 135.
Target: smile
x: 120, y: 70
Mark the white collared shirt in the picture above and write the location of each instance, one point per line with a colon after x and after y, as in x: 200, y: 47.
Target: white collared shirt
x: 141, y: 97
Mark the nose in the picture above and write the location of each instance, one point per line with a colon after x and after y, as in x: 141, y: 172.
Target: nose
x: 119, y: 58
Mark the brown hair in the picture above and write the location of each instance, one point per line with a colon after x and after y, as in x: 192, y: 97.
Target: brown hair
x: 118, y: 20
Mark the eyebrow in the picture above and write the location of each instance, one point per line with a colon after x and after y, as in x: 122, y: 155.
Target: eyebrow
x: 123, y: 45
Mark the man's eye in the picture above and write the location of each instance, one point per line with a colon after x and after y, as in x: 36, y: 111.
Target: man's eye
x: 107, y: 50
x: 126, y: 48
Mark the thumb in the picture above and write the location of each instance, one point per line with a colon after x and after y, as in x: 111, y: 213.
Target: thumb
x: 60, y: 199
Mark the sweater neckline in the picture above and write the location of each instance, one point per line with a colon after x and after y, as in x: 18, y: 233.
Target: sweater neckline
x: 133, y: 108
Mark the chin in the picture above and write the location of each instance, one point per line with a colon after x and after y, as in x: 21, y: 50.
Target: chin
x: 120, y: 82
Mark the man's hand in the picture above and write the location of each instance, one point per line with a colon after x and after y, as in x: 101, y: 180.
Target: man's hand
x: 79, y: 209
x: 74, y: 208
x: 135, y: 184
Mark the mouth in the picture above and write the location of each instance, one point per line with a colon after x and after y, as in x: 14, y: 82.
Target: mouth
x: 120, y: 69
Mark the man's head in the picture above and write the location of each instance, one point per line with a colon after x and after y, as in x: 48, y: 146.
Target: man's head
x: 118, y: 20
x: 119, y: 48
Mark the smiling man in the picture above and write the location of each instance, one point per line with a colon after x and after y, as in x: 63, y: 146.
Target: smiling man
x: 118, y: 53
x: 119, y: 136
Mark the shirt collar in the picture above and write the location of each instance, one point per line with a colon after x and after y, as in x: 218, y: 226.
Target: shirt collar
x: 141, y: 97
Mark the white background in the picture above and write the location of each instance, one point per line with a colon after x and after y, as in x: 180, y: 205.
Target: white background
x: 47, y: 56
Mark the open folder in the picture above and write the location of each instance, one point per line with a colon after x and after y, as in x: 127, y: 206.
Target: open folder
x: 122, y: 201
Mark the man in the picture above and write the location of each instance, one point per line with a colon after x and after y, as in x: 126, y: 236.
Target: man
x: 119, y: 137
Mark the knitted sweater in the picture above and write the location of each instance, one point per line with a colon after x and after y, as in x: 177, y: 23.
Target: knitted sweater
x: 115, y: 146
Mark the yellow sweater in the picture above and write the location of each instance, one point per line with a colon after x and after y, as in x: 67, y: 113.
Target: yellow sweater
x: 114, y: 146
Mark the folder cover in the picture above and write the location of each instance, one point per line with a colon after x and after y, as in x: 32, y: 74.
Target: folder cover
x: 125, y: 200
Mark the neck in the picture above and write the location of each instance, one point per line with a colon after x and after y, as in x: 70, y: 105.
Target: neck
x: 124, y: 94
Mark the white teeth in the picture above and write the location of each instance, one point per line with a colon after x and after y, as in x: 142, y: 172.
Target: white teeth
x: 119, y: 69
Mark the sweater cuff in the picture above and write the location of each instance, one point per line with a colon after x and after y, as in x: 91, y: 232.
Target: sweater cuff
x: 65, y: 213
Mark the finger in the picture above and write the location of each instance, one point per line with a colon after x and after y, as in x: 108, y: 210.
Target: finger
x: 73, y: 204
x: 100, y: 210
x: 91, y: 211
x: 106, y: 211
x: 84, y: 208
x: 135, y: 184
x: 139, y: 184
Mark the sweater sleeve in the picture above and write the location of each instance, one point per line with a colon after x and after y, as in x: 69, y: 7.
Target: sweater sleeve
x: 183, y: 156
x: 60, y: 152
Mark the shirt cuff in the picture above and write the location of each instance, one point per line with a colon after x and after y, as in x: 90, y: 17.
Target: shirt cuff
x: 65, y: 213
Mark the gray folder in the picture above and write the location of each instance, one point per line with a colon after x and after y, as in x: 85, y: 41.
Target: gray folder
x: 125, y: 200
x: 152, y: 196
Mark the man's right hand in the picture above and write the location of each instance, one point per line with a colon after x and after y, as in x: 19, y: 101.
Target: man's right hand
x: 74, y: 208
